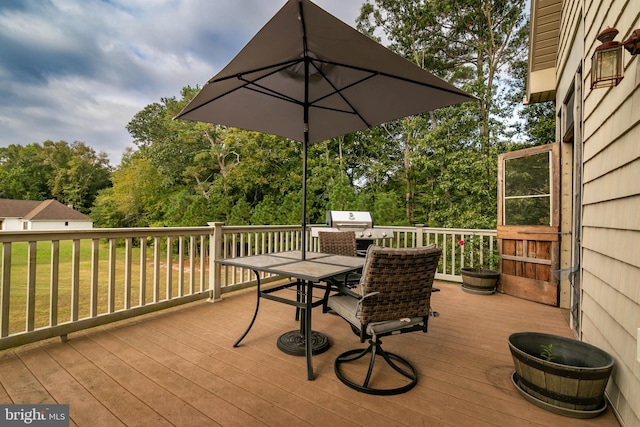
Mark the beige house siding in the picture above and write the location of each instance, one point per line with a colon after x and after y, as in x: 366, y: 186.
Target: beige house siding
x: 610, y: 207
x: 610, y: 300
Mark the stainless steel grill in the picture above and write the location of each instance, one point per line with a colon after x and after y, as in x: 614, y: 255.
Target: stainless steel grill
x: 361, y: 223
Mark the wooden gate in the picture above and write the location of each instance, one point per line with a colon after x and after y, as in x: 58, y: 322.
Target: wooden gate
x: 528, y: 223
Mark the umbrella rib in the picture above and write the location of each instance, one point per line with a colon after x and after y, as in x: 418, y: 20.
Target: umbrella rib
x: 268, y: 92
x: 374, y: 73
x: 339, y: 92
x: 240, y: 76
x: 277, y: 67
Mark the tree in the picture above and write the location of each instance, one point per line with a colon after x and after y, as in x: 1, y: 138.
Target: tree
x: 137, y: 192
x: 73, y: 173
x: 169, y: 144
x: 538, y: 121
x: 449, y: 159
x: 105, y: 211
x: 79, y: 173
x: 23, y: 174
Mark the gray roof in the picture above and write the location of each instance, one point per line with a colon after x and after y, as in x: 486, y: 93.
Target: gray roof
x: 33, y: 210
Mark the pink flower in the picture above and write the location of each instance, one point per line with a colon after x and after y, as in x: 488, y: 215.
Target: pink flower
x: 461, y: 242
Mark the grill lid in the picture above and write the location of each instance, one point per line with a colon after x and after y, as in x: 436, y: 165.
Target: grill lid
x: 349, y: 219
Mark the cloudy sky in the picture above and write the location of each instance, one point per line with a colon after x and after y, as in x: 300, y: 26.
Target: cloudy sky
x: 78, y: 70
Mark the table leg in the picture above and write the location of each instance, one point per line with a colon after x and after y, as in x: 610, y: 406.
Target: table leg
x: 299, y: 291
x: 304, y: 341
x: 307, y: 330
x: 255, y: 313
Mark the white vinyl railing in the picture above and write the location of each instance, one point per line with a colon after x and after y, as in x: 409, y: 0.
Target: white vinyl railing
x: 53, y: 283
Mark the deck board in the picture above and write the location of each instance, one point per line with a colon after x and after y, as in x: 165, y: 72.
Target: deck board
x: 114, y: 396
x: 179, y: 367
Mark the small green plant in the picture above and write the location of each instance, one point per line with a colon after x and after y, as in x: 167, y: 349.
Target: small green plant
x: 547, y: 353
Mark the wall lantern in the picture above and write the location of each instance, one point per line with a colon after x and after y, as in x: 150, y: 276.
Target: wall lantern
x: 606, y: 62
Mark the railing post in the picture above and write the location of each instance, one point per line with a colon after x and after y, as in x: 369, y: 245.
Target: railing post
x: 419, y: 236
x: 215, y: 270
x: 5, y: 287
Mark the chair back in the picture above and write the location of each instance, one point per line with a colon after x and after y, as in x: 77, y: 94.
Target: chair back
x: 402, y: 280
x: 338, y: 242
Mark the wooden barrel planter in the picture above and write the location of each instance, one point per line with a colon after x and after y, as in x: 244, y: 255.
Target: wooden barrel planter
x: 479, y: 280
x: 571, y: 384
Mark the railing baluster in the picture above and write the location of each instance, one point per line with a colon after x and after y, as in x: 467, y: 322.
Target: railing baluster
x: 95, y: 265
x: 232, y: 249
x: 127, y: 273
x: 143, y: 271
x: 180, y: 266
x: 263, y: 247
x: 443, y: 261
x: 112, y: 276
x: 202, y: 264
x: 156, y: 269
x: 244, y: 272
x: 75, y: 280
x: 169, y: 284
x: 223, y: 254
x: 5, y: 286
x: 31, y: 285
x: 54, y: 282
x: 215, y: 270
x: 192, y: 262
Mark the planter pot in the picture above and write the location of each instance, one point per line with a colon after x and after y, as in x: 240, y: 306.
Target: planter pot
x: 572, y: 384
x: 479, y: 280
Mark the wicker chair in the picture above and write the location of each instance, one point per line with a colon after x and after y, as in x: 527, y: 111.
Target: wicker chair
x: 338, y: 243
x: 396, y: 290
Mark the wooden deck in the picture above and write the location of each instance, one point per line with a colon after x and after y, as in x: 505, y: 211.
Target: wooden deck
x: 179, y: 368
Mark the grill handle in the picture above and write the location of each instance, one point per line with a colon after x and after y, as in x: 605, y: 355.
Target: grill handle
x: 352, y: 224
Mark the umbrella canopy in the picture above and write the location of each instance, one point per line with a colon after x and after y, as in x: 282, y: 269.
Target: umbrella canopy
x: 309, y: 77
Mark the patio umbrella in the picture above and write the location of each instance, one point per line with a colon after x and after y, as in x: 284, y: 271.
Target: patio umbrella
x: 309, y: 77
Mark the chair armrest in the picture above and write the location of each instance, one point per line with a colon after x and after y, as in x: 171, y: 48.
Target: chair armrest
x: 344, y: 289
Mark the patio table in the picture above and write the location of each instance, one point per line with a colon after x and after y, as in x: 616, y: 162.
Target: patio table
x: 308, y: 272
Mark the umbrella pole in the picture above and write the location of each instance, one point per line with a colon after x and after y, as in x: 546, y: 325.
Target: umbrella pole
x: 306, y: 134
x: 304, y: 193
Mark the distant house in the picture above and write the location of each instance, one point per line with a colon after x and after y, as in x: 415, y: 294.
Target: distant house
x: 16, y: 215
